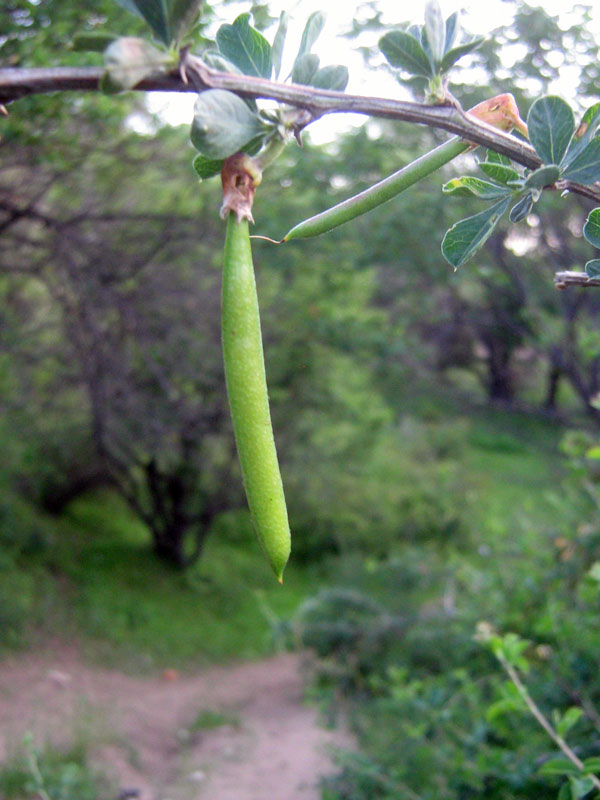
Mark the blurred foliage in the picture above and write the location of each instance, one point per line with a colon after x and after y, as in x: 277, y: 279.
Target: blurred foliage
x: 50, y: 773
x: 424, y: 686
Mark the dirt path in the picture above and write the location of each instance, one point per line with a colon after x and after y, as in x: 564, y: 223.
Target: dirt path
x: 141, y: 730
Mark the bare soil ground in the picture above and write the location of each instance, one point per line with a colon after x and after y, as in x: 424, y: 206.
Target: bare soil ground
x: 141, y: 730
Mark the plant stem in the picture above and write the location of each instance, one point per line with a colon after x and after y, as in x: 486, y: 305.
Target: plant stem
x: 536, y: 712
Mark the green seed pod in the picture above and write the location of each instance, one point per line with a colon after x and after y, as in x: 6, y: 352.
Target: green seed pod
x: 248, y: 398
x: 500, y: 112
x: 379, y: 193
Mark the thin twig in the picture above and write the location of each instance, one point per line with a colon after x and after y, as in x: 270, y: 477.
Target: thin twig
x: 532, y: 706
x: 562, y: 280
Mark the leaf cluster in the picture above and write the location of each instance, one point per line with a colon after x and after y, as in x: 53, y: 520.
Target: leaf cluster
x: 430, y: 50
x: 225, y: 124
x: 567, y: 152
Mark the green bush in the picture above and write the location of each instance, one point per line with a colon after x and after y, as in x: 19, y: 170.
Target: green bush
x: 402, y: 483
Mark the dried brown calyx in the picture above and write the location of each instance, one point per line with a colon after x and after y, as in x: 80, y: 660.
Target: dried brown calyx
x: 240, y: 176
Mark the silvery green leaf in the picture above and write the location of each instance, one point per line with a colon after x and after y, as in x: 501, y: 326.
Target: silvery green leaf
x: 404, y: 51
x: 465, y: 237
x: 207, y: 167
x: 592, y: 268
x: 452, y: 30
x: 435, y: 25
x: 586, y: 131
x: 469, y: 186
x: 591, y: 229
x: 580, y: 787
x: 223, y: 124
x: 183, y: 15
x: 278, y: 42
x: 551, y: 125
x: 305, y: 69
x: 128, y: 61
x: 312, y: 30
x: 334, y: 77
x: 499, y: 172
x: 544, y: 176
x: 245, y: 47
x: 216, y: 60
x: 521, y: 209
x: 454, y: 55
x: 497, y: 158
x: 585, y: 167
x: 156, y: 14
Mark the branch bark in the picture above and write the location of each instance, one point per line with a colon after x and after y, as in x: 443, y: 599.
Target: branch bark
x: 562, y: 280
x: 194, y: 76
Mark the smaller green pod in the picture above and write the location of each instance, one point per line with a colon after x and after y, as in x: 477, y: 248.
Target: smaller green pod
x: 379, y: 193
x: 248, y: 398
x: 500, y: 112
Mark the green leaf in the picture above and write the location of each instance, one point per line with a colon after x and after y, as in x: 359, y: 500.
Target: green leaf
x: 305, y: 69
x: 93, y: 42
x: 569, y: 719
x: 507, y: 705
x: 128, y: 61
x: 565, y: 792
x: 497, y: 158
x: 452, y: 30
x: 470, y: 186
x: 558, y: 766
x: 183, y: 15
x: 592, y: 268
x: 156, y: 14
x: 216, y: 60
x: 592, y: 764
x: 245, y: 47
x: 551, y: 125
x: 585, y: 167
x: 404, y: 51
x: 452, y: 56
x: 312, y: 31
x: 278, y: 42
x: 586, y: 130
x: 207, y: 167
x: 466, y: 237
x: 334, y: 77
x: 544, y: 176
x: 499, y: 172
x: 435, y: 26
x: 591, y: 229
x: 521, y: 209
x: 580, y: 787
x: 223, y: 124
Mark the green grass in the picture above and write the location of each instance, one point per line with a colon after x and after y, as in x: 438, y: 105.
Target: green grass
x: 93, y: 576
x: 104, y: 586
x: 208, y: 720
